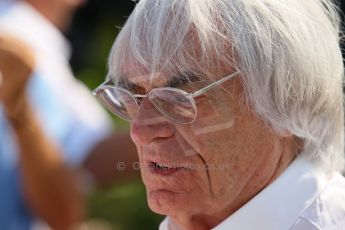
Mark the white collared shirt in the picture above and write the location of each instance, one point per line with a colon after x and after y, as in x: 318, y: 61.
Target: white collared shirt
x: 302, y: 198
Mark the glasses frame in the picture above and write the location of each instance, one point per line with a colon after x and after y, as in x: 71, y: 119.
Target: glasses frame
x: 105, y: 85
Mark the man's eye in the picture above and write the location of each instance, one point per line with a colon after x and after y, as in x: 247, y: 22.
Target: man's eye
x: 182, y: 99
x: 188, y: 88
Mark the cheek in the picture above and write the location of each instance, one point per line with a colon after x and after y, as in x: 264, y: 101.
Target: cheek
x: 213, y: 116
x: 243, y: 158
x: 233, y: 153
x: 224, y: 164
x: 221, y: 157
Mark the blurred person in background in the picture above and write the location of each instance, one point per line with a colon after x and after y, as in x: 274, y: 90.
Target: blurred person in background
x: 46, y: 182
x: 236, y: 108
x: 66, y: 116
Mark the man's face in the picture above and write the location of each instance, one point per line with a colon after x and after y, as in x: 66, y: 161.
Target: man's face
x: 203, y: 168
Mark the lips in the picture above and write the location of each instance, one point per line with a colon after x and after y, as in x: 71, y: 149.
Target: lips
x: 164, y: 169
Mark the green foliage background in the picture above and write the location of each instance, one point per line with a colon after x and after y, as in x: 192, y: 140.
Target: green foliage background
x: 124, y: 207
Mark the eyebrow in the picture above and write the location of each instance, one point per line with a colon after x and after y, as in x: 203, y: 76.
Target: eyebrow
x: 176, y: 81
x: 182, y: 79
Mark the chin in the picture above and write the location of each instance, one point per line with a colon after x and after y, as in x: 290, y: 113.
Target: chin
x: 166, y: 202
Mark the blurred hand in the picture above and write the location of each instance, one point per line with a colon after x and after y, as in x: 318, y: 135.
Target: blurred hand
x: 16, y: 65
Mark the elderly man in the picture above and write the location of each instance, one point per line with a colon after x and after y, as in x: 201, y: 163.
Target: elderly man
x: 236, y: 111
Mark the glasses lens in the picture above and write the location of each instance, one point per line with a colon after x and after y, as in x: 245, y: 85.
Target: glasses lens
x: 119, y: 101
x: 174, y: 103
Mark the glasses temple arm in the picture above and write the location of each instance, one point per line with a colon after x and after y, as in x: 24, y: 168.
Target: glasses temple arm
x: 207, y: 88
x: 140, y: 95
x: 95, y: 91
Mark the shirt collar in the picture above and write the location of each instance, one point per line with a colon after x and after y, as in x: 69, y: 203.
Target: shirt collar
x: 280, y: 204
x: 22, y: 20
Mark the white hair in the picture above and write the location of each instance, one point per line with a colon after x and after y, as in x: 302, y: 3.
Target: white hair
x: 287, y: 51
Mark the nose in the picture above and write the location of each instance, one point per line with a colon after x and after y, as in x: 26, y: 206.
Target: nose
x: 149, y: 125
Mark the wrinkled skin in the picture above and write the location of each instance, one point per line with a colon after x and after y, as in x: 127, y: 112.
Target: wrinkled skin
x: 227, y: 155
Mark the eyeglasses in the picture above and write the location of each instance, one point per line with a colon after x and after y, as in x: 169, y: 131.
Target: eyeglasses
x: 173, y: 103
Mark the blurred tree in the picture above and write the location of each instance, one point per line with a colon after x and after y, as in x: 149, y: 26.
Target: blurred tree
x: 94, y: 29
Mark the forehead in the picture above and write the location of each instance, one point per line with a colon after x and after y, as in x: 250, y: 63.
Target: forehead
x: 142, y: 79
